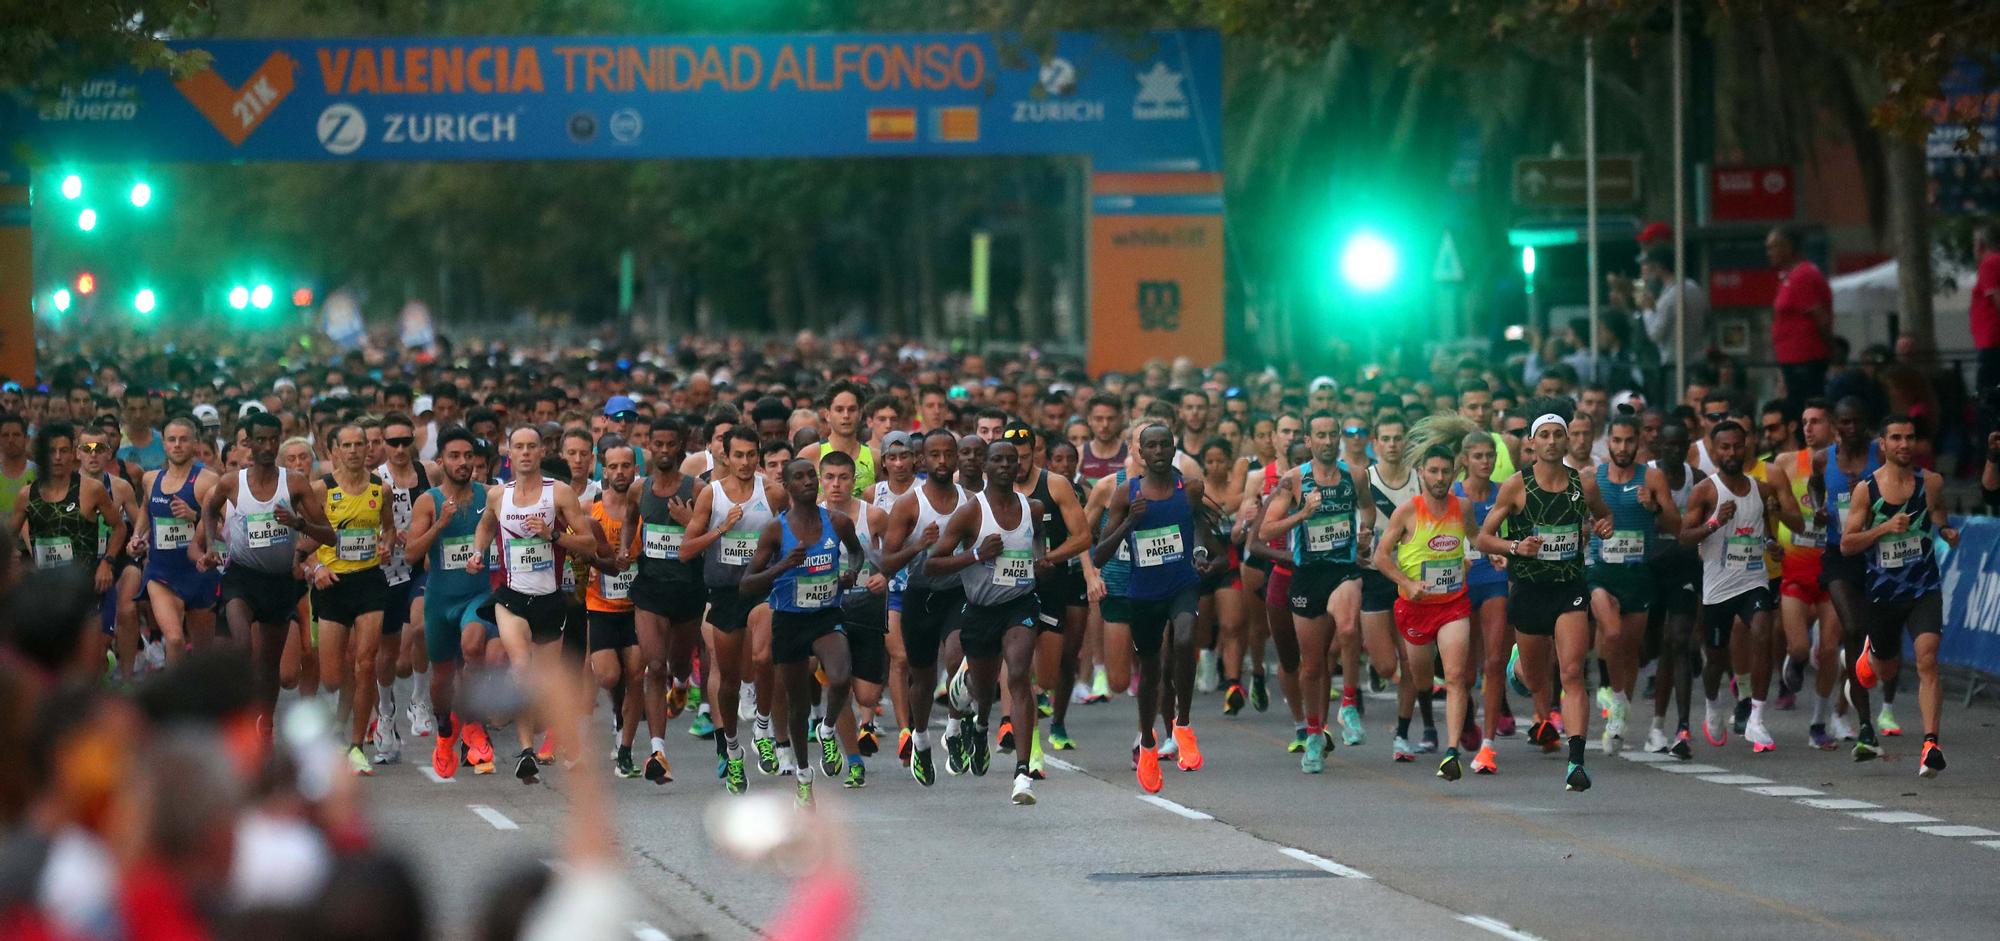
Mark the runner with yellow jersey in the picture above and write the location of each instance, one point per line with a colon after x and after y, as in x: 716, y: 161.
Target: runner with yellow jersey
x: 350, y: 591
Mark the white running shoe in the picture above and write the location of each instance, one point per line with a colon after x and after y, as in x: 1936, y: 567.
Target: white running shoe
x: 1080, y: 693
x: 1840, y: 729
x: 1760, y: 737
x: 387, y: 740
x: 746, y: 702
x: 1614, y: 734
x: 1207, y: 678
x: 1715, y: 724
x: 422, y: 724
x: 1024, y: 791
x: 1657, y: 741
x: 786, y: 763
x: 1168, y: 747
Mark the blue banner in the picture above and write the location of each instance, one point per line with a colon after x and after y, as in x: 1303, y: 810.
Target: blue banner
x: 1972, y: 598
x: 1138, y: 102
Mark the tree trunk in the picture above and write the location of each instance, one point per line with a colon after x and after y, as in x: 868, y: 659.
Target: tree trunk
x: 1910, y: 228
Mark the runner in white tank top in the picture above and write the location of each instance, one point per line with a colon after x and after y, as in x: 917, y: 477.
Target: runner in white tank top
x: 1732, y: 557
x: 531, y: 563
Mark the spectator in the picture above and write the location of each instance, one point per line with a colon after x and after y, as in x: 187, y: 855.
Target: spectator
x: 1801, y: 317
x: 1985, y: 312
x: 1989, y: 478
x: 1658, y: 296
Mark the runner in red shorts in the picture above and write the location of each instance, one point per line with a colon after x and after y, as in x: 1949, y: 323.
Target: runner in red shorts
x: 1801, y: 599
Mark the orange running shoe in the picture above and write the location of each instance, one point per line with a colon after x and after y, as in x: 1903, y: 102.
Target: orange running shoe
x: 1190, y: 752
x: 1864, y: 666
x: 1149, y: 770
x: 677, y: 700
x: 1556, y: 720
x: 478, y: 749
x: 547, y: 753
x: 1485, y: 762
x: 444, y: 757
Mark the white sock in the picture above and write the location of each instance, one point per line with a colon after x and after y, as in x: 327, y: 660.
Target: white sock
x: 1659, y: 723
x: 385, y: 700
x: 950, y: 726
x: 420, y: 689
x: 805, y: 772
x: 763, y: 726
x: 659, y: 744
x: 1821, y: 706
x: 1485, y: 744
x: 920, y: 740
x: 1756, y: 710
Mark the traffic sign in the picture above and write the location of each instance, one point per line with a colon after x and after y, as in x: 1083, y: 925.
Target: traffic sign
x: 1447, y: 269
x: 1559, y: 182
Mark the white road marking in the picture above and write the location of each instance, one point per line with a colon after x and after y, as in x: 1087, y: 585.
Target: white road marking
x: 1646, y: 757
x: 494, y: 817
x: 1990, y: 844
x: 1498, y: 927
x: 1838, y: 803
x: 1734, y: 779
x: 1895, y: 816
x: 1956, y: 830
x: 1321, y: 862
x: 434, y: 776
x: 1059, y: 764
x: 1691, y: 769
x: 645, y: 932
x: 1784, y: 790
x: 1171, y: 807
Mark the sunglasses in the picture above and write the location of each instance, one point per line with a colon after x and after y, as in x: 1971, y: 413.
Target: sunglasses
x: 1514, y: 432
x: 1354, y: 432
x: 1774, y: 426
x: 1018, y: 434
x: 624, y: 416
x: 400, y: 442
x: 1715, y: 416
x: 93, y: 447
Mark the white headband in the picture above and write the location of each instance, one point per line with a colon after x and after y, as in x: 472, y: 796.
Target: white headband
x: 1550, y: 419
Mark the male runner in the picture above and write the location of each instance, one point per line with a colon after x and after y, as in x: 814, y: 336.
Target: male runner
x: 16, y: 471
x: 899, y: 470
x: 1676, y: 597
x: 994, y: 543
x: 1391, y: 484
x: 1546, y: 570
x: 404, y: 478
x: 864, y: 615
x: 1329, y: 530
x: 349, y: 590
x: 1801, y: 600
x: 929, y: 604
x: 443, y: 525
x: 668, y: 595
x: 1853, y: 456
x: 722, y: 531
x: 180, y: 588
x: 1890, y: 520
x: 1621, y: 583
x: 613, y: 642
x: 1104, y: 453
x: 1727, y: 515
x: 1267, y: 577
x: 1486, y: 592
x: 94, y: 458
x: 58, y: 517
x: 1064, y: 605
x: 840, y: 410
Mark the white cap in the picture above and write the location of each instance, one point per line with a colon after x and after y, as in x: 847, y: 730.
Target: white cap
x: 207, y: 415
x: 1323, y: 382
x: 1627, y: 397
x: 249, y: 408
x: 423, y: 405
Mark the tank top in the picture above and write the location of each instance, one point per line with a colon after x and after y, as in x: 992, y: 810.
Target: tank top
x: 869, y: 561
x: 1732, y: 557
x: 609, y: 592
x: 1902, y: 566
x: 1667, y: 544
x: 926, y: 515
x: 1272, y: 475
x: 1810, y: 542
x: 728, y: 557
x: 1010, y: 574
x: 257, y: 541
x: 10, y: 487
x: 1479, y: 569
x: 1055, y: 529
x: 1632, y: 525
x: 58, y: 533
x: 864, y: 468
x: 453, y: 547
x: 357, y: 521
x: 1096, y: 468
x: 401, y: 501
x: 531, y: 565
x: 883, y: 497
x: 660, y: 537
x: 1433, y: 553
x: 813, y: 584
x: 171, y: 535
x: 1390, y: 499
x: 1557, y: 517
x: 1117, y: 573
x: 1327, y: 536
x: 1162, y: 544
x: 1840, y: 489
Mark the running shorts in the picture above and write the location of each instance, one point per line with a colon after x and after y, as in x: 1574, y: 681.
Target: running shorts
x: 1719, y: 619
x: 1420, y: 622
x: 793, y: 633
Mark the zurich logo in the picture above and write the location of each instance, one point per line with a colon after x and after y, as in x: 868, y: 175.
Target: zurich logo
x: 342, y: 128
x: 1058, y: 77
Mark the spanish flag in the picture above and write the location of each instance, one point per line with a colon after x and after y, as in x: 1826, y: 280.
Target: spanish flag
x: 892, y: 124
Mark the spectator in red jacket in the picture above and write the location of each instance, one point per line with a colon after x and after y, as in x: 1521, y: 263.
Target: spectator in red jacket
x: 1801, y: 317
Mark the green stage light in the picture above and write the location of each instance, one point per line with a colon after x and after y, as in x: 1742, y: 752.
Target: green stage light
x: 1368, y: 262
x: 72, y: 186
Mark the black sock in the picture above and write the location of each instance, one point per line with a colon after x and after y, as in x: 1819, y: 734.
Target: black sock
x: 1402, y: 726
x: 1576, y: 749
x: 1424, y: 708
x: 1931, y: 738
x: 1020, y: 767
x: 1451, y: 752
x: 1603, y: 672
x: 1257, y: 675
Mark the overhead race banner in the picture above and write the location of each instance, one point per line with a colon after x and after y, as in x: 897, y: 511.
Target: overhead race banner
x: 1144, y: 102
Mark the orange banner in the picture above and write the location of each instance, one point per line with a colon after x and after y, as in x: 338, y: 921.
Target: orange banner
x: 17, y: 291
x: 1155, y: 290
x: 238, y: 111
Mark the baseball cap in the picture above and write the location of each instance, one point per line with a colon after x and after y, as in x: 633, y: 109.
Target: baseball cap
x: 1655, y: 232
x: 897, y: 439
x: 207, y: 415
x: 249, y: 408
x: 1323, y: 382
x: 620, y: 403
x: 1627, y: 402
x: 423, y: 405
x: 1018, y: 431
x: 284, y: 382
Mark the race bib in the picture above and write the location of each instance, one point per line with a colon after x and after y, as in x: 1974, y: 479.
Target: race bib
x: 264, y: 530
x: 1811, y: 537
x: 1124, y: 553
x: 457, y: 551
x: 1442, y: 576
x: 103, y: 539
x: 813, y: 591
x: 1896, y: 550
x: 356, y: 545
x: 530, y: 556
x: 54, y: 552
x: 1328, y: 534
x: 1745, y: 552
x: 172, y: 532
x: 663, y: 540
x: 616, y: 587
x: 737, y: 546
x: 395, y: 570
x: 1159, y: 546
x: 1624, y: 547
x: 568, y: 580
x: 1014, y: 567
x: 1559, y: 543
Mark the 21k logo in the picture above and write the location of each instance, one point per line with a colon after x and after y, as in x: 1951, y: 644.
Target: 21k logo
x: 236, y: 112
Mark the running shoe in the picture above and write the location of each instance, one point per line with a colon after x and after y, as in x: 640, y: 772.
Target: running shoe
x: 1100, y: 686
x: 830, y: 758
x: 1427, y: 744
x: 1794, y: 680
x: 1714, y: 727
x: 1035, y: 759
x: 1351, y: 731
x: 1741, y: 720
x: 1544, y: 734
x: 1864, y: 666
x: 804, y: 801
x: 422, y: 723
x: 444, y: 756
x: 1298, y: 742
x: 957, y: 752
x: 903, y: 747
x: 921, y: 767
x: 767, y: 755
x: 1232, y: 701
x: 1448, y: 769
x: 1400, y: 750
x: 1513, y: 673
x: 1577, y: 779
x: 1207, y: 672
x: 1024, y: 791
x: 1376, y: 684
x: 1260, y: 696
x: 1614, y: 732
x: 1556, y: 721
x: 734, y: 779
x: 1044, y: 705
x: 1314, y: 760
x: 1059, y: 737
x: 1485, y: 762
x: 857, y: 776
x: 1169, y: 746
x: 1759, y: 737
x: 677, y: 701
x: 1683, y: 746
x: 478, y: 748
x: 388, y: 743
x: 1079, y: 693
x: 1148, y: 770
x: 526, y: 770
x: 547, y: 753
x: 658, y: 770
x: 693, y: 695
x: 1604, y: 702
x: 1470, y: 739
x: 1931, y: 762
x: 1867, y: 747
x: 359, y: 763
x: 702, y: 726
x: 746, y: 702
x: 1839, y: 728
x: 1188, y: 751
x: 867, y: 741
x: 787, y: 762
x: 621, y: 763
x: 1504, y: 727
x: 1006, y: 734
x: 979, y: 756
x: 1817, y: 738
x: 1657, y: 741
x: 1885, y: 722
